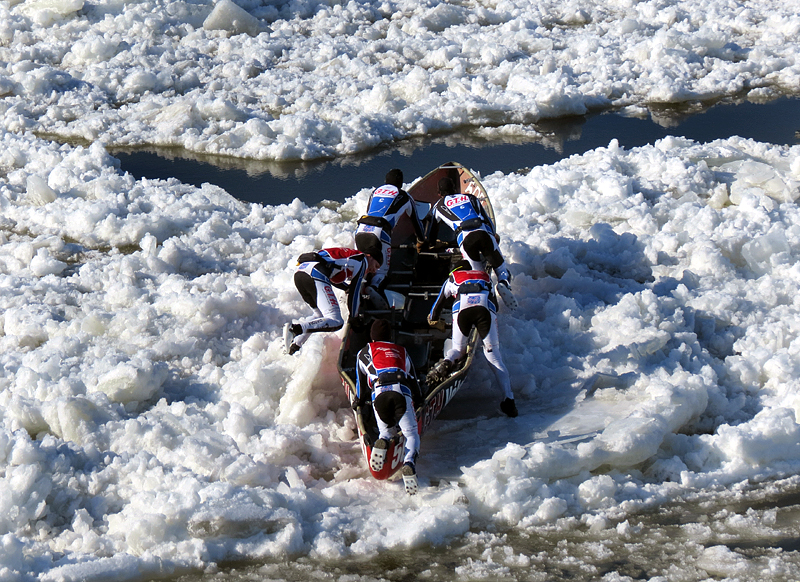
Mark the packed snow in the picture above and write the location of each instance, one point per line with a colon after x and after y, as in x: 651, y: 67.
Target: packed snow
x: 151, y: 423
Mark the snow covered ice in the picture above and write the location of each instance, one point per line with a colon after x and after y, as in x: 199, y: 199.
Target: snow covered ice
x: 306, y: 79
x: 151, y: 424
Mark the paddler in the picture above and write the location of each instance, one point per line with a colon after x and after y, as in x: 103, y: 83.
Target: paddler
x: 373, y: 236
x: 316, y: 275
x: 385, y: 375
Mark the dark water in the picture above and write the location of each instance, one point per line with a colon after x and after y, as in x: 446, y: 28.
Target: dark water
x: 274, y: 183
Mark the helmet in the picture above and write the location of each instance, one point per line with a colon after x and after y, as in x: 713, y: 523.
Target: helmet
x: 446, y: 186
x: 380, y: 331
x: 395, y: 178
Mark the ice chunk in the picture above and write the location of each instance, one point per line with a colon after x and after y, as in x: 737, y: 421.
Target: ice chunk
x: 131, y: 383
x: 45, y: 264
x: 722, y: 562
x: 39, y: 193
x: 760, y: 251
x: 757, y: 175
x: 228, y: 16
x: 45, y: 12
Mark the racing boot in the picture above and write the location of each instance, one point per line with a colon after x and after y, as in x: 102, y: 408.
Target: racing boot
x: 509, y: 408
x: 439, y: 373
x: 410, y: 478
x: 504, y: 291
x: 378, y: 455
x: 291, y: 331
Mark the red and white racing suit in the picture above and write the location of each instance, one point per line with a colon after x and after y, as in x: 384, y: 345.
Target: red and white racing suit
x: 342, y: 268
x: 386, y: 367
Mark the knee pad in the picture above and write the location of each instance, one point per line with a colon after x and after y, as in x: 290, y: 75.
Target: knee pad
x: 390, y: 406
x: 307, y: 288
x: 369, y: 244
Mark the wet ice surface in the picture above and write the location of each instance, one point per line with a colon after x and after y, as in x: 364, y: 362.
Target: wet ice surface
x: 304, y: 80
x: 743, y: 534
x: 152, y: 424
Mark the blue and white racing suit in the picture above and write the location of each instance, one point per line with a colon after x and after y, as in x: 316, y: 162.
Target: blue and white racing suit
x: 315, y: 278
x: 474, y: 306
x: 374, y: 233
x: 474, y: 230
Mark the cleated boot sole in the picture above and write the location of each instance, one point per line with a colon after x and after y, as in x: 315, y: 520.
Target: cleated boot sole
x: 288, y: 338
x: 377, y: 457
x: 507, y: 296
x: 410, y: 480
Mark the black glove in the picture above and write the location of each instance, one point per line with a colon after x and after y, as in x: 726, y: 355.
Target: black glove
x: 358, y: 323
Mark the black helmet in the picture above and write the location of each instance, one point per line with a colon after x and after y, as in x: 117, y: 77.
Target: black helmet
x: 381, y: 331
x: 446, y: 186
x: 395, y: 178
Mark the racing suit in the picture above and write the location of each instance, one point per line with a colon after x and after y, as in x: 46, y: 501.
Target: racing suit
x: 474, y: 230
x: 474, y: 306
x: 384, y: 368
x: 374, y: 233
x: 315, y: 277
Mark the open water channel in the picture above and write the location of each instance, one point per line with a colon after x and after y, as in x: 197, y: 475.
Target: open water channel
x: 273, y: 183
x: 705, y: 535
